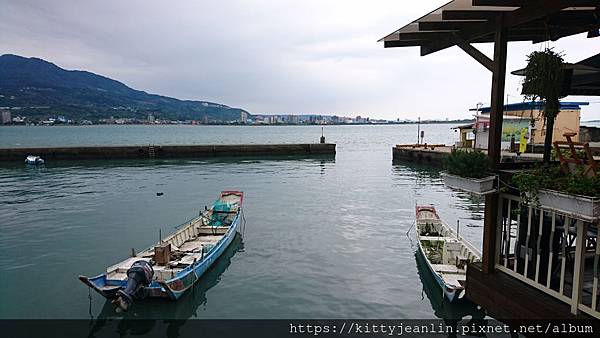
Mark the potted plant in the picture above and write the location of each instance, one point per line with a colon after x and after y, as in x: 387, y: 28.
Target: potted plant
x: 572, y: 194
x: 468, y: 170
x: 544, y: 81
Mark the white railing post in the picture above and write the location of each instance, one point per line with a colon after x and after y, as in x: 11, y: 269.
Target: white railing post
x: 507, y: 233
x: 499, y: 226
x: 579, y: 266
x: 527, y: 235
x: 596, y: 257
x: 516, y: 248
x: 538, y: 246
x: 563, y: 260
x: 551, y: 254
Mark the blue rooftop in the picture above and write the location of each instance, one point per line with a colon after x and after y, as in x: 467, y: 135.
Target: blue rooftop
x: 537, y: 105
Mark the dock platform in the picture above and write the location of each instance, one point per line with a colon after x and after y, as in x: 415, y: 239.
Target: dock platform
x: 435, y: 154
x: 168, y: 151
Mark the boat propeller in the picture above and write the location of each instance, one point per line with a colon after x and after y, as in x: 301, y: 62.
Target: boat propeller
x: 139, y: 275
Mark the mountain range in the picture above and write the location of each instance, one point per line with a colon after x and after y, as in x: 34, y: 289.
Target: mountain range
x: 37, y: 88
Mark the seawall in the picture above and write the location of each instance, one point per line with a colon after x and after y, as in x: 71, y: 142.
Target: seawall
x: 167, y: 151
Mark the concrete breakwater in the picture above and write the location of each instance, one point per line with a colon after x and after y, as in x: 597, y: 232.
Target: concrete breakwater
x: 435, y: 154
x: 167, y: 151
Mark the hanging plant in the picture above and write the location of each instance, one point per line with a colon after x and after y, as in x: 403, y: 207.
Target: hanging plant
x: 544, y: 81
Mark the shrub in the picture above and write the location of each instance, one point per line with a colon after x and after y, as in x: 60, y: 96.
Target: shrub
x: 467, y: 163
x: 552, y: 178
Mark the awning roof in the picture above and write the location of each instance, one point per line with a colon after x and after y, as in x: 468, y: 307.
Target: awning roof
x: 473, y: 21
x: 537, y: 105
x: 583, y: 77
x: 464, y: 126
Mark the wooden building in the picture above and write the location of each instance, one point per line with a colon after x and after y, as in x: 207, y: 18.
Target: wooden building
x: 537, y: 263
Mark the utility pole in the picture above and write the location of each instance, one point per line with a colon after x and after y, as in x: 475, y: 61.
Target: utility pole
x: 419, y: 130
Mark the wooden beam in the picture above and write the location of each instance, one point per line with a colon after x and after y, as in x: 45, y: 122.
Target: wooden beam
x: 520, y: 3
x: 494, y: 144
x: 477, y: 55
x: 443, y: 25
x: 453, y: 14
x: 398, y: 43
x: 535, y: 10
x: 424, y: 35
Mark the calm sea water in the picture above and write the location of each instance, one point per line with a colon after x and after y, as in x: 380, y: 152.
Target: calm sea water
x: 324, y: 238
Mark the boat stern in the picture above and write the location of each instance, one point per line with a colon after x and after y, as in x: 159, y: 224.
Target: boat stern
x: 100, y: 285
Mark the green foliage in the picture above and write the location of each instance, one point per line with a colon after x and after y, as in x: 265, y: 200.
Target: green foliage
x: 544, y: 80
x: 467, y: 163
x: 552, y: 178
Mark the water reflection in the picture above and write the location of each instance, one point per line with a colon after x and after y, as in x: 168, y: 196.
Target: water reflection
x: 450, y: 312
x: 427, y: 177
x: 156, y: 310
x: 418, y: 170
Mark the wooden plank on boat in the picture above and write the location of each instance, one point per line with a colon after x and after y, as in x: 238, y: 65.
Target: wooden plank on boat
x: 447, y: 268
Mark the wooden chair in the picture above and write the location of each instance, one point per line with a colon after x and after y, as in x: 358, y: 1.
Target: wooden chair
x: 589, y: 167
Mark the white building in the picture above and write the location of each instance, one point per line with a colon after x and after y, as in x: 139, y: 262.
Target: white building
x: 6, y: 117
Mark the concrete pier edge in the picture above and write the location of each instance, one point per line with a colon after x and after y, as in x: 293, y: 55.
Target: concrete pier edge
x: 167, y: 151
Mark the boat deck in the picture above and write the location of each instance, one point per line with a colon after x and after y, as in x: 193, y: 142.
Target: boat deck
x: 190, y: 251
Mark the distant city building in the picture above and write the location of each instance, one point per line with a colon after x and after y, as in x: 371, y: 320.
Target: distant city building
x: 294, y: 119
x: 151, y: 118
x: 244, y: 117
x: 6, y: 117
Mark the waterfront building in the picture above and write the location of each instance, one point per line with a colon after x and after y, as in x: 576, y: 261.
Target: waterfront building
x: 6, y: 116
x: 519, y: 118
x: 294, y: 119
x: 244, y: 117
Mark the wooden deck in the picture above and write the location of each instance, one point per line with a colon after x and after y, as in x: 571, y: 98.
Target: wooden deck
x: 505, y: 297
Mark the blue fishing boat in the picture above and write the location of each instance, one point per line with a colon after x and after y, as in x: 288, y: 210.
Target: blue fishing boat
x: 174, y: 264
x: 445, y: 252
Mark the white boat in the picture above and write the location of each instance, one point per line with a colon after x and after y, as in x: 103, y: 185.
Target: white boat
x: 31, y: 159
x: 446, y: 253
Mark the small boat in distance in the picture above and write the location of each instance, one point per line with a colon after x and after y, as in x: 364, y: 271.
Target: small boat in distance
x: 174, y: 264
x: 34, y: 160
x: 444, y: 251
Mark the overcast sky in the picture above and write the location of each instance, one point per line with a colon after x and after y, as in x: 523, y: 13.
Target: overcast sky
x: 279, y: 56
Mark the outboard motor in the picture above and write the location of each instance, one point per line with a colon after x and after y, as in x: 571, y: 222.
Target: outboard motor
x: 139, y: 275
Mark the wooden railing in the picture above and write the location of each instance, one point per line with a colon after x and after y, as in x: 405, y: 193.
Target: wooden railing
x: 555, y: 253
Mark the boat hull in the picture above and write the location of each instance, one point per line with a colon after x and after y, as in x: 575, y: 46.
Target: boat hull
x: 176, y: 287
x: 449, y: 292
x: 451, y: 254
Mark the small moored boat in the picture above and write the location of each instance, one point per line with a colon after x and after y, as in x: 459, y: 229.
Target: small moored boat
x: 444, y: 251
x: 34, y: 160
x: 173, y: 265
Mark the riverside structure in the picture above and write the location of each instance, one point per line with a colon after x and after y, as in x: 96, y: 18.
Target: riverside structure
x: 169, y: 151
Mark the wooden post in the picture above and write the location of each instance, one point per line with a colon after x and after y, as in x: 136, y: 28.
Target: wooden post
x: 579, y: 266
x: 494, y: 142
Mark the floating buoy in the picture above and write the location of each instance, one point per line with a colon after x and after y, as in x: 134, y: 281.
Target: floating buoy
x: 159, y: 194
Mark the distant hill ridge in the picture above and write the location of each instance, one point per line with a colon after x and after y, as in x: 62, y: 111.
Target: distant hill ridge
x: 41, y: 88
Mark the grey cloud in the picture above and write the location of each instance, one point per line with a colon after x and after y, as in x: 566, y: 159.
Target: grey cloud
x: 264, y: 56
